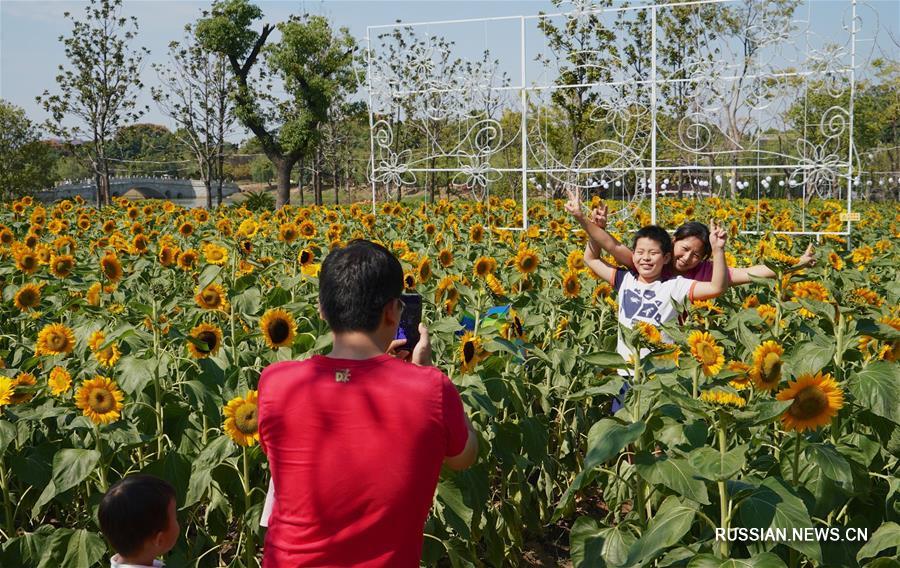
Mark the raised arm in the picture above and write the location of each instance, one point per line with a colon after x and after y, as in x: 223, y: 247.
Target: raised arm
x: 719, y: 282
x: 593, y: 261
x: 596, y: 228
x: 743, y: 275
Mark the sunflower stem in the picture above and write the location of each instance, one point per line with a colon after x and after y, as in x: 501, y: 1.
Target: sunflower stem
x: 695, y: 382
x: 796, y: 472
x: 245, y: 480
x: 102, y: 467
x: 157, y: 394
x: 723, y: 493
x: 7, y: 500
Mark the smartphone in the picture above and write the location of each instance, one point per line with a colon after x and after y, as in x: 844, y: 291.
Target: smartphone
x: 409, y: 320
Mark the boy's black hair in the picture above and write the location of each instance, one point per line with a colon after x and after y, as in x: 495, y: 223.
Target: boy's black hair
x: 355, y: 283
x: 695, y: 229
x: 134, y: 510
x: 654, y: 233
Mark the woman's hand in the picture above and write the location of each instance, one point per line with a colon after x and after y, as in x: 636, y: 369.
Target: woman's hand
x: 809, y: 257
x: 599, y: 215
x: 718, y: 236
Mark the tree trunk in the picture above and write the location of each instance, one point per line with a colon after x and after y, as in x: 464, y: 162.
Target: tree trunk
x: 317, y: 180
x: 300, y: 181
x: 347, y: 177
x: 336, y: 184
x: 283, y: 172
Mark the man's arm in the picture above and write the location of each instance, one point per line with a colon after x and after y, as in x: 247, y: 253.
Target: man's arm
x: 719, y: 282
x: 467, y: 457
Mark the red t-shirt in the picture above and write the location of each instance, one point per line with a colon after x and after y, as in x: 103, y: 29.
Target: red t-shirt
x: 355, y: 449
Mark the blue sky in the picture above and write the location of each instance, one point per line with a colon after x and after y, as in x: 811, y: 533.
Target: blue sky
x: 30, y: 50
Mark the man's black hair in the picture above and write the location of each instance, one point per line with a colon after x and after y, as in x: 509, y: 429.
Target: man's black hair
x: 695, y: 229
x: 654, y: 233
x: 355, y: 283
x: 134, y: 510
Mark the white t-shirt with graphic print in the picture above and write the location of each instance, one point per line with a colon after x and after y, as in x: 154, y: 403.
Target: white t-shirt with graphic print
x: 652, y: 303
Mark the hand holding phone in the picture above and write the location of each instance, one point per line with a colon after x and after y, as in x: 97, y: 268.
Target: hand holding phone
x: 410, y: 320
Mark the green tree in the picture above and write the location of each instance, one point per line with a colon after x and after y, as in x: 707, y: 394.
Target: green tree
x: 195, y: 94
x: 586, y: 51
x: 310, y: 60
x: 98, y: 90
x: 26, y: 163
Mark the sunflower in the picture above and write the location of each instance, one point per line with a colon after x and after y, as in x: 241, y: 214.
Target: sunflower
x: 167, y: 255
x: 575, y: 260
x: 26, y: 260
x: 62, y: 266
x: 514, y: 329
x: 108, y: 227
x: 140, y: 244
x: 835, y: 260
x: 445, y: 257
x: 494, y: 284
x: 93, y: 294
x: 670, y: 351
x: 751, y: 301
x: 7, y: 386
x: 60, y: 381
x: 767, y: 313
x: 742, y: 381
x: 649, y: 333
x: 811, y: 290
x: 186, y: 229
x: 209, y: 337
x: 23, y: 380
x: 571, y: 285
x: 722, y: 398
x: 108, y: 356
x: 100, y: 400
x: 242, y: 419
x: 215, y: 254
x: 278, y: 328
x: 476, y: 233
x: 6, y: 237
x: 188, y: 259
x: 816, y: 399
x: 245, y: 247
x: 865, y: 296
x: 111, y: 267
x: 288, y: 232
x: 705, y: 350
x: 213, y: 297
x: 766, y: 369
x: 470, y: 351
x: 312, y: 270
x: 307, y: 229
x: 28, y: 296
x: 55, y: 339
x: 483, y: 266
x: 526, y: 260
x: 561, y: 328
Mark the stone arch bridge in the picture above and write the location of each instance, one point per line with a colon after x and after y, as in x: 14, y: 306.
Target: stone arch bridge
x: 146, y: 187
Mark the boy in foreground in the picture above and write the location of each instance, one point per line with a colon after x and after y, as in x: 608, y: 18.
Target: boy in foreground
x: 137, y: 517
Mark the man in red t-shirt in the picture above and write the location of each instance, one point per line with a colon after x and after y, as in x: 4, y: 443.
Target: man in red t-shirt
x: 356, y: 438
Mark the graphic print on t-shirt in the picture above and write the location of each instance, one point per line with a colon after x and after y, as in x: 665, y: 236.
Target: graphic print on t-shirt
x: 641, y: 303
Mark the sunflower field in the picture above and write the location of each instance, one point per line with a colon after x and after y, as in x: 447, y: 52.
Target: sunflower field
x: 132, y: 339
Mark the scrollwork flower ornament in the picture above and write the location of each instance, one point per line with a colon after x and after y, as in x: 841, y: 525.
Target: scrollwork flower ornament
x: 475, y: 176
x: 394, y: 170
x: 817, y: 167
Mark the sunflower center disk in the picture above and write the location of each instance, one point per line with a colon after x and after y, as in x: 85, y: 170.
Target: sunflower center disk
x: 771, y: 368
x: 245, y: 419
x: 101, y: 401
x: 209, y: 338
x: 809, y: 403
x: 278, y: 331
x: 708, y: 353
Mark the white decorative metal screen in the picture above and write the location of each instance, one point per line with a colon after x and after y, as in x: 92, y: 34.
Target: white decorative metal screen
x: 672, y: 101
